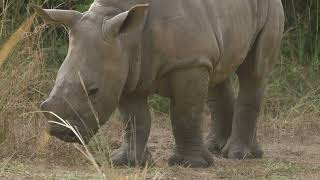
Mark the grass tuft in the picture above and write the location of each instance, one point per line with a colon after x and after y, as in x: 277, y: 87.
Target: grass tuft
x: 14, y: 39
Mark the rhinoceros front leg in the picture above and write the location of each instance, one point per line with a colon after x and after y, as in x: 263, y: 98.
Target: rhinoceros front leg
x: 221, y: 105
x: 189, y: 95
x: 137, y: 120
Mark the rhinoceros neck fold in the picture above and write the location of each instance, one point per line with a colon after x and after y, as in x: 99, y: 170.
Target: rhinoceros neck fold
x: 121, y: 4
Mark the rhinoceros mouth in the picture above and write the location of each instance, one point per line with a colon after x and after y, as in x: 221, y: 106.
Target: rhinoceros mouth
x: 65, y: 134
x: 67, y: 138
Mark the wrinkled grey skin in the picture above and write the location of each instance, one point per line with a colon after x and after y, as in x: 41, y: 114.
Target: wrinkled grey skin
x: 183, y: 49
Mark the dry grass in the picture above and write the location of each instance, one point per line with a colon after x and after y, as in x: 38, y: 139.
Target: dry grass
x: 14, y: 39
x: 5, y: 51
x: 22, y: 80
x: 85, y: 150
x: 289, y: 127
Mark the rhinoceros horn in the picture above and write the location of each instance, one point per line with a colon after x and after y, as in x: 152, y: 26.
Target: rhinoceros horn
x: 56, y: 16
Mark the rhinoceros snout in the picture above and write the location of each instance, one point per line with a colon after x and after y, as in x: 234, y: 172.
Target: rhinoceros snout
x: 47, y: 107
x: 58, y: 110
x: 50, y: 105
x: 44, y: 106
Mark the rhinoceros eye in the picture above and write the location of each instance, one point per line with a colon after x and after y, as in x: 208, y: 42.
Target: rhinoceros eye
x: 93, y: 91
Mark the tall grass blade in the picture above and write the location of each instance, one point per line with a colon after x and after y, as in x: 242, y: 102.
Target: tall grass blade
x: 14, y: 39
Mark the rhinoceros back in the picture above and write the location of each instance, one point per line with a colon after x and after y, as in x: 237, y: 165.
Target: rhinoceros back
x: 212, y: 33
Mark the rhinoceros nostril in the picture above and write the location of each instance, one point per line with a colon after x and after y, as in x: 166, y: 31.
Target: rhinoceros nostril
x: 93, y: 91
x: 44, y: 106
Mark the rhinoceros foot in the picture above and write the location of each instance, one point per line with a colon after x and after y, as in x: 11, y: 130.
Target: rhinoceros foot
x: 201, y: 159
x: 215, y: 144
x: 237, y: 150
x: 124, y: 157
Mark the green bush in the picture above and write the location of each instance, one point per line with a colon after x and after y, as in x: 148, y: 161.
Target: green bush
x: 303, y: 23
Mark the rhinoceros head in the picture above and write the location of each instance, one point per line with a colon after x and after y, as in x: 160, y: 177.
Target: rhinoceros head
x: 92, y: 78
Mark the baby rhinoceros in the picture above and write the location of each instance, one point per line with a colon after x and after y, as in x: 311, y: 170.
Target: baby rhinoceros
x: 122, y: 51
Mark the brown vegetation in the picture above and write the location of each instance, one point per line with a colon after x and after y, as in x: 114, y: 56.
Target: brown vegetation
x: 289, y: 126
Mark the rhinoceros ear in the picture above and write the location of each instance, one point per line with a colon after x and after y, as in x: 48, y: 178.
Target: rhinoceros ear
x: 126, y: 21
x: 56, y: 16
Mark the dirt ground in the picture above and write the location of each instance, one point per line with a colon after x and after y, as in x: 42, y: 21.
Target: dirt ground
x: 292, y: 151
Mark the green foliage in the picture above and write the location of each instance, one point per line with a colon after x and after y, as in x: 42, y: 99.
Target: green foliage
x: 159, y: 103
x: 84, y: 6
x: 303, y: 23
x: 294, y: 85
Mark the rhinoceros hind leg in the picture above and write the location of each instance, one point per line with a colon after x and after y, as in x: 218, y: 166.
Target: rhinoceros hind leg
x: 122, y: 157
x: 242, y: 142
x: 189, y: 95
x: 253, y: 75
x: 199, y: 160
x: 221, y: 105
x: 238, y: 150
x: 137, y: 120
